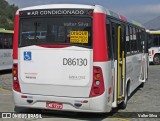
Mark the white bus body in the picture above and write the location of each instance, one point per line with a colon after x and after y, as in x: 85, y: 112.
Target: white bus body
x: 154, y: 46
x: 70, y: 77
x: 6, y: 59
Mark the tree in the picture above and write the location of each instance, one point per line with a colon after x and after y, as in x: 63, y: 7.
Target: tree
x: 7, y: 13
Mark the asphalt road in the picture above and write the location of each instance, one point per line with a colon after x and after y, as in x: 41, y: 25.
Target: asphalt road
x: 144, y: 100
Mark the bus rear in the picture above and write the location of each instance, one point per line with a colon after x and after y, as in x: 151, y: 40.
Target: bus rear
x: 56, y: 70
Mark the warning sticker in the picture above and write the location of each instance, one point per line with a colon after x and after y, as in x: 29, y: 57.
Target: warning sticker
x: 79, y: 36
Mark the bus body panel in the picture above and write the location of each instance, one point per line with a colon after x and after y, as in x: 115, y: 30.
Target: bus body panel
x: 100, y: 103
x: 108, y: 75
x: 6, y: 59
x: 133, y: 70
x: 95, y: 104
x: 56, y: 71
x: 115, y: 85
x: 152, y: 52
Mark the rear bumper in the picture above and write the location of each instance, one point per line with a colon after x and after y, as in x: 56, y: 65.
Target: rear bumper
x: 95, y: 104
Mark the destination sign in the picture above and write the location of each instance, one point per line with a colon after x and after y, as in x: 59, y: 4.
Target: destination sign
x: 50, y: 12
x: 79, y: 36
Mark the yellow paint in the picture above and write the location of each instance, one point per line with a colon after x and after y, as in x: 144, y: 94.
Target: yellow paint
x: 79, y: 36
x: 7, y: 31
x: 123, y: 66
x: 118, y: 60
x: 155, y: 32
x: 122, y: 119
x: 5, y: 90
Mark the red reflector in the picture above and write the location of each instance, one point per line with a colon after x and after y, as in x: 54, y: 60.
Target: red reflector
x: 110, y: 90
x: 96, y: 90
x: 23, y: 96
x: 152, y: 52
x: 85, y: 101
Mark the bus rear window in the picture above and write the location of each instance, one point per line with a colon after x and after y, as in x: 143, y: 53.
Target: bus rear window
x: 57, y: 30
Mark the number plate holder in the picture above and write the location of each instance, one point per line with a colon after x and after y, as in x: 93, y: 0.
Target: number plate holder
x: 54, y: 105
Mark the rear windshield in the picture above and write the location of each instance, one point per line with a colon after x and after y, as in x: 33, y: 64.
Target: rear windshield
x: 58, y: 30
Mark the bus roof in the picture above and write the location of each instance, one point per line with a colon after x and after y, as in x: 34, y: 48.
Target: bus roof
x: 153, y: 31
x: 7, y: 31
x: 97, y: 8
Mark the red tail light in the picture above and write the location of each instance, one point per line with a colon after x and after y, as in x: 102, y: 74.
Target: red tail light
x: 152, y: 52
x: 16, y: 85
x: 98, y: 82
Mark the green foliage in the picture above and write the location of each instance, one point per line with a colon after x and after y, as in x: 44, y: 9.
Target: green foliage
x: 7, y: 13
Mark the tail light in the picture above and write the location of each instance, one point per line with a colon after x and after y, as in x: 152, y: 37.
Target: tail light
x: 98, y: 82
x: 90, y: 12
x: 16, y: 85
x: 152, y: 52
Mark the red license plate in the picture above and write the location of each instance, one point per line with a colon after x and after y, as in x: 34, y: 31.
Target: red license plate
x: 54, y: 105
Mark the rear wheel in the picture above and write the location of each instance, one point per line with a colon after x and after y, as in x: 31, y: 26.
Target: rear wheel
x: 142, y: 85
x: 123, y: 104
x: 156, y: 60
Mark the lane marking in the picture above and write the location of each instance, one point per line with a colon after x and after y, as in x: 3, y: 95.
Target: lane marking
x: 122, y: 119
x: 5, y: 90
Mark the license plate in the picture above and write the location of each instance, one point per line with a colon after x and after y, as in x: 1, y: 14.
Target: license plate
x: 54, y: 105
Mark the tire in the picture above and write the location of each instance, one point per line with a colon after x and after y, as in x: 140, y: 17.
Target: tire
x: 156, y: 60
x: 123, y: 104
x: 142, y: 85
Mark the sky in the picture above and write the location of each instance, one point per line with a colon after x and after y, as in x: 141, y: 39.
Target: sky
x: 138, y: 10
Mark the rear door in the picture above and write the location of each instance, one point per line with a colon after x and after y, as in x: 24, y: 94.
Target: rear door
x: 121, y: 64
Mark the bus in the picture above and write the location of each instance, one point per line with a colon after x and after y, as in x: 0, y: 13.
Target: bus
x: 91, y: 59
x: 154, y: 46
x: 6, y: 43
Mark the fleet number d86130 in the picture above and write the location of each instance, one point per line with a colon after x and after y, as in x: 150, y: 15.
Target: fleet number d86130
x: 75, y: 61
